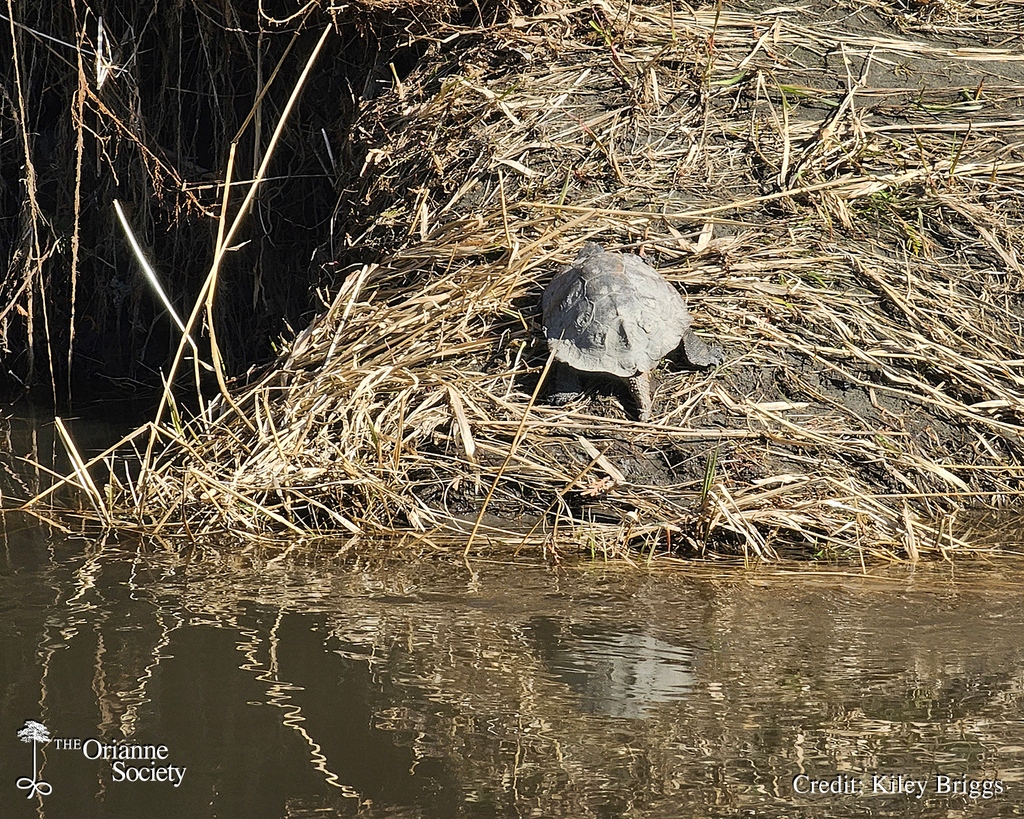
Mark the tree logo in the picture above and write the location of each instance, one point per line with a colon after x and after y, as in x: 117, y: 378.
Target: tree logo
x: 36, y: 733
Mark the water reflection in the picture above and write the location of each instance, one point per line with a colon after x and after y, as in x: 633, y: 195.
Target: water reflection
x: 615, y: 672
x: 32, y: 454
x: 330, y: 686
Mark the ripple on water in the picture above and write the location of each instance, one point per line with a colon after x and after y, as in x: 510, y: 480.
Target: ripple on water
x: 414, y: 689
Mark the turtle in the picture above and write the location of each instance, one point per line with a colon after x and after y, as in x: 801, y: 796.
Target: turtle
x: 613, y: 314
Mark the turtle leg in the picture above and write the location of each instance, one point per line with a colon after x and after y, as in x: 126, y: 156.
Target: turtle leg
x: 566, y: 384
x: 700, y: 354
x: 640, y: 389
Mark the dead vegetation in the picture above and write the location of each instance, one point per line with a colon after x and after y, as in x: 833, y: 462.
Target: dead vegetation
x: 839, y: 197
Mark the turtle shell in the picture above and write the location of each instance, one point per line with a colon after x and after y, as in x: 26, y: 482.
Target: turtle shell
x: 612, y: 313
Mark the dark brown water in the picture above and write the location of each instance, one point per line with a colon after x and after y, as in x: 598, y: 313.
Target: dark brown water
x: 323, y: 686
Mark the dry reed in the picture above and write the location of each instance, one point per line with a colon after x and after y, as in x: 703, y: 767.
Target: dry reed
x: 842, y: 216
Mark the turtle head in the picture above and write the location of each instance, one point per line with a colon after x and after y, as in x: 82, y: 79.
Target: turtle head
x: 589, y: 249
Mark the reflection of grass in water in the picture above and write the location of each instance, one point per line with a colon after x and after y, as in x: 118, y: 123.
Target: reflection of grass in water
x: 549, y: 679
x: 848, y: 236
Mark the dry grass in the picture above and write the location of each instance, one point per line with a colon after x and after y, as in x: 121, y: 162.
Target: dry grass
x: 842, y: 214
